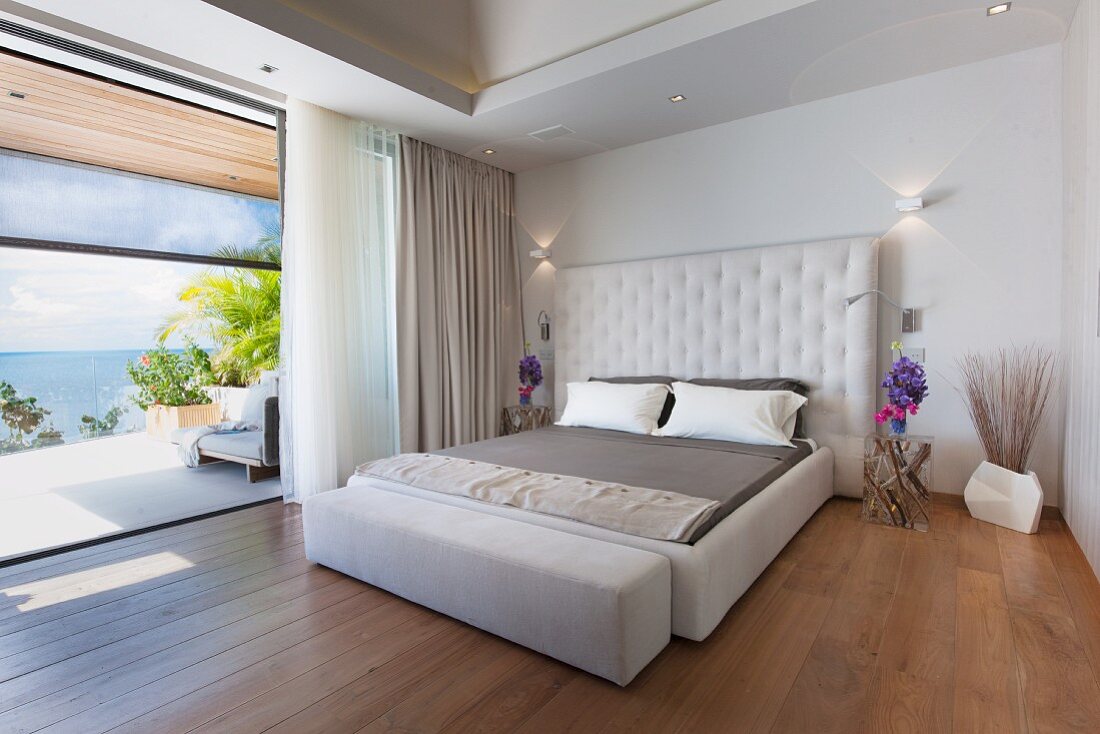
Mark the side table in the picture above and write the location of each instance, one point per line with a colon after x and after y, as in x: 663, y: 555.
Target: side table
x: 516, y: 418
x: 897, y: 481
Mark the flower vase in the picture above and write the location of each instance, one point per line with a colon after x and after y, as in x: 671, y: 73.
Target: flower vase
x: 524, y: 400
x: 898, y: 427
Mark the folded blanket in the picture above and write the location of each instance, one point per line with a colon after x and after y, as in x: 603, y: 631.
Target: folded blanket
x: 648, y: 513
x: 188, y: 448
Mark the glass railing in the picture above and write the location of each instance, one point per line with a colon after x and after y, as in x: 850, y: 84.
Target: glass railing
x: 54, y: 398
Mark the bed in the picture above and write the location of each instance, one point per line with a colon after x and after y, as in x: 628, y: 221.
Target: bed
x: 759, y: 312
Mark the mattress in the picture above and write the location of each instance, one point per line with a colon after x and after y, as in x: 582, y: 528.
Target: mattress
x: 726, y: 472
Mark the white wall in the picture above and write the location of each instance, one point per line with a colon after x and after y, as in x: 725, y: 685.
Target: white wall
x: 981, y: 143
x: 1081, y: 492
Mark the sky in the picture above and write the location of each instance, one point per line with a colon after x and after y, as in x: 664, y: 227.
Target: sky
x: 62, y: 301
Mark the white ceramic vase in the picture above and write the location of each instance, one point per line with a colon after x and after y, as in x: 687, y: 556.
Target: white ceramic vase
x: 995, y: 494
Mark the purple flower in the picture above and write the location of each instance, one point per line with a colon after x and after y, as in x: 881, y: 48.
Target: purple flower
x: 530, y: 371
x: 906, y: 385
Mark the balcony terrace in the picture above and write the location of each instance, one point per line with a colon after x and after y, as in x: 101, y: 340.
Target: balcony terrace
x: 62, y: 495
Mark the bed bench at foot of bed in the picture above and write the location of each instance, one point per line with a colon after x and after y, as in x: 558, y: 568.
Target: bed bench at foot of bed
x: 600, y: 607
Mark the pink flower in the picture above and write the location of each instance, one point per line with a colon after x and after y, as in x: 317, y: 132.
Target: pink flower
x: 145, y: 359
x: 892, y: 412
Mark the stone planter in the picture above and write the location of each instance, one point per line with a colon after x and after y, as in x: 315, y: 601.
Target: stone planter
x: 162, y: 420
x: 1014, y: 501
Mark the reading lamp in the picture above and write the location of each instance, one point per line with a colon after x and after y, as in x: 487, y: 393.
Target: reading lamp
x: 544, y: 326
x: 908, y: 315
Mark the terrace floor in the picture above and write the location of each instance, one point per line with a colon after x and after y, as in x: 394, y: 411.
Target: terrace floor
x: 69, y: 494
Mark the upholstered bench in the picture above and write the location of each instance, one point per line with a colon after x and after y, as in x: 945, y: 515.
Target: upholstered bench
x: 601, y: 607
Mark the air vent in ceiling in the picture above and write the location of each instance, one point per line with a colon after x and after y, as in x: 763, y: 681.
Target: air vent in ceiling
x: 549, y: 133
x: 132, y: 65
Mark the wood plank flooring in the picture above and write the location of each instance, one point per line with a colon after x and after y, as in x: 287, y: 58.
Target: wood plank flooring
x: 224, y: 626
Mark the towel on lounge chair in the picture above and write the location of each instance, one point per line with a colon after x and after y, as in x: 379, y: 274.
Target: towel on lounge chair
x: 189, y: 438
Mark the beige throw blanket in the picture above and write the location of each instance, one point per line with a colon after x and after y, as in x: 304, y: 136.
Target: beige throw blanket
x: 648, y: 513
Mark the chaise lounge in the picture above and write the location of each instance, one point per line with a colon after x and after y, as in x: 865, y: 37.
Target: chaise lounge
x: 257, y: 450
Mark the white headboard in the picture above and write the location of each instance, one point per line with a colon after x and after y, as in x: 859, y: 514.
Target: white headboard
x: 760, y: 312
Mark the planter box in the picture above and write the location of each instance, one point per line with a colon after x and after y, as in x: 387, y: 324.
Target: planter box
x: 162, y: 420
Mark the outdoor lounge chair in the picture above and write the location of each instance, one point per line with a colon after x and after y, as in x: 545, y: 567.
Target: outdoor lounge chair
x: 257, y: 450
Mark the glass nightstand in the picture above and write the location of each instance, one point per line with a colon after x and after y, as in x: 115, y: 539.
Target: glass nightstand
x: 897, y: 481
x: 516, y: 418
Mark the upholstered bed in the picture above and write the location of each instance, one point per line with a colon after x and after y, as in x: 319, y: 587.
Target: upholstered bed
x: 761, y: 312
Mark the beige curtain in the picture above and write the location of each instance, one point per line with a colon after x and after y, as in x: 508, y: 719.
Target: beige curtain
x: 458, y: 321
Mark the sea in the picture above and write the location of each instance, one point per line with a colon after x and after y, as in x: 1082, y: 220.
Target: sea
x: 74, y: 384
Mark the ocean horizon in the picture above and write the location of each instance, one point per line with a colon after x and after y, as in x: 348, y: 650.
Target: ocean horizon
x: 74, y: 383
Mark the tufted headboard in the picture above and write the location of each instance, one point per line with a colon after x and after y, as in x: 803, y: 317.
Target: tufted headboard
x: 760, y: 312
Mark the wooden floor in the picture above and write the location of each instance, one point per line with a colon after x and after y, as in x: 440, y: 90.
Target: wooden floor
x: 224, y: 626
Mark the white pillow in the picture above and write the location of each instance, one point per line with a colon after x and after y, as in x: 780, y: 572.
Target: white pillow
x: 762, y: 417
x: 619, y: 407
x: 253, y: 410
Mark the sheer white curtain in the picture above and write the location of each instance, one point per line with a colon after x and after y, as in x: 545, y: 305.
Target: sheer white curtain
x: 337, y: 400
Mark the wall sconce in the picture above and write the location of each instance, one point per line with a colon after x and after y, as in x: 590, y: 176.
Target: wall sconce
x: 909, y: 205
x: 908, y: 315
x: 544, y: 326
x: 543, y: 253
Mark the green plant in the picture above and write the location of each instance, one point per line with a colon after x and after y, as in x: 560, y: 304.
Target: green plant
x: 21, y: 415
x: 48, y: 436
x: 92, y: 427
x: 170, y: 378
x: 238, y: 310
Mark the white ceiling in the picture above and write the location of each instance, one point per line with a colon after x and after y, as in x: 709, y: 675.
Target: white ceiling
x: 472, y: 74
x: 513, y: 37
x: 474, y: 44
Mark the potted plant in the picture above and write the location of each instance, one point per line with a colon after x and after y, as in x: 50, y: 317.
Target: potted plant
x: 170, y: 390
x: 1007, y: 393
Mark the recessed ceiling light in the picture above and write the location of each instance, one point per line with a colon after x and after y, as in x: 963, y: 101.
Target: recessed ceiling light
x: 488, y: 151
x: 677, y: 98
x: 998, y: 9
x: 17, y: 95
x: 234, y: 178
x: 268, y: 68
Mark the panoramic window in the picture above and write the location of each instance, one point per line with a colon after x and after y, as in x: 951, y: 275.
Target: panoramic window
x: 126, y: 220
x: 140, y: 284
x: 70, y: 325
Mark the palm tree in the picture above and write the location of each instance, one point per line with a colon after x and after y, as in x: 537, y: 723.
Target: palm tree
x: 237, y: 309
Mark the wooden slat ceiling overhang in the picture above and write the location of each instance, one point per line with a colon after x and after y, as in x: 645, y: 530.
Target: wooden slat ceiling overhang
x: 77, y: 117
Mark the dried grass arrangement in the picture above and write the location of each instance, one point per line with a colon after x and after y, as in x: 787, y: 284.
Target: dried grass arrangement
x: 1007, y: 393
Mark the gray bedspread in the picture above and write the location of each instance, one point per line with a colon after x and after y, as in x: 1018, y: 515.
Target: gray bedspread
x: 729, y: 473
